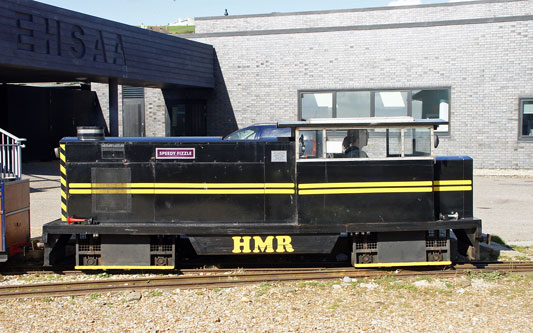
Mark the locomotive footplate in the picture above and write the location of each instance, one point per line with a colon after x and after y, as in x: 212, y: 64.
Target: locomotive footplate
x: 59, y: 227
x: 153, y: 246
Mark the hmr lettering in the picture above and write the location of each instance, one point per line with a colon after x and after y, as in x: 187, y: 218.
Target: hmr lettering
x: 242, y: 244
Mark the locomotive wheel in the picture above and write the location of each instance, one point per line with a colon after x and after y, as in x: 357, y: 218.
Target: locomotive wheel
x: 365, y: 258
x: 160, y: 261
x: 89, y: 261
x: 435, y: 256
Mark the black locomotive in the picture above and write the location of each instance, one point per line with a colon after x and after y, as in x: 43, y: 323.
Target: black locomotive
x: 133, y: 202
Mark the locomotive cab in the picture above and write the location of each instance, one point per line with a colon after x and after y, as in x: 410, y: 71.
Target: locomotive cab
x: 369, y: 188
x: 381, y: 179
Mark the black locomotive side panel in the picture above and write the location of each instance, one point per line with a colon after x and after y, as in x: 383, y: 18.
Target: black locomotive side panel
x: 351, y: 192
x: 453, y: 187
x: 102, y: 191
x: 280, y: 169
x: 180, y: 203
x: 177, y: 182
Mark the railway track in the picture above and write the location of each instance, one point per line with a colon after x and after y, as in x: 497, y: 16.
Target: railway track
x: 219, y: 278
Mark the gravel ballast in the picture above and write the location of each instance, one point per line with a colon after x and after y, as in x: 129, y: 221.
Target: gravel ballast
x: 481, y: 302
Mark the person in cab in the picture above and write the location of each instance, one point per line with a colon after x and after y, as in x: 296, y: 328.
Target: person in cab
x: 353, y: 143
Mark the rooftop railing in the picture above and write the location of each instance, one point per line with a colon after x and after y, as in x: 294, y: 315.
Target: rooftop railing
x: 10, y: 156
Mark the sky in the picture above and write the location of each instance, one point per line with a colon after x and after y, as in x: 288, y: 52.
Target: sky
x: 162, y: 12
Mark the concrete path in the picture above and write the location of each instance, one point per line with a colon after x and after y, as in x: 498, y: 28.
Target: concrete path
x: 45, y: 194
x: 504, y: 203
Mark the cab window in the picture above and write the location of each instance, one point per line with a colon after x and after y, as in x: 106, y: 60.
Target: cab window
x: 369, y: 143
x: 310, y: 144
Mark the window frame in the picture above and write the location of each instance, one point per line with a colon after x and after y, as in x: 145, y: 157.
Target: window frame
x: 521, y: 137
x: 323, y: 156
x: 373, y: 92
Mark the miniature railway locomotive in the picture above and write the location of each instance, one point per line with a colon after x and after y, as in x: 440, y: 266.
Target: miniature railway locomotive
x: 133, y: 202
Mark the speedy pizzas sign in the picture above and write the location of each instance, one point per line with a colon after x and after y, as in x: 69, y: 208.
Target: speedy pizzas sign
x: 175, y: 153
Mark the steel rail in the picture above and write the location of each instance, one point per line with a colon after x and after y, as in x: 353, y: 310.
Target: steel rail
x: 226, y: 278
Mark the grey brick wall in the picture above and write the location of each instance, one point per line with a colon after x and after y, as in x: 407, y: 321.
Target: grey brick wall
x: 367, y: 16
x: 488, y: 66
x: 154, y: 108
x: 154, y: 112
x: 102, y: 91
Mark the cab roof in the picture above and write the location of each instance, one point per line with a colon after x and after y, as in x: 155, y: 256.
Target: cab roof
x: 363, y: 122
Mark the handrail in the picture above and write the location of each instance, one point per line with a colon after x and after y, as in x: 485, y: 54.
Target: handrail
x: 10, y: 156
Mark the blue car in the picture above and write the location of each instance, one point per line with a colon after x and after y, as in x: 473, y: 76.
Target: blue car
x: 260, y: 131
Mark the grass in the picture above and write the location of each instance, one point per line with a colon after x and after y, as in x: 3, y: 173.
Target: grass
x: 523, y: 249
x: 181, y: 29
x: 263, y: 288
x: 319, y: 284
x: 487, y: 276
x: 402, y: 286
x: 156, y: 293
x: 334, y: 306
x: 425, y: 278
x: 385, y: 280
x: 497, y: 239
x: 41, y: 277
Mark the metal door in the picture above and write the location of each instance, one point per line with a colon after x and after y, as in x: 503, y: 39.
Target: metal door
x: 133, y: 111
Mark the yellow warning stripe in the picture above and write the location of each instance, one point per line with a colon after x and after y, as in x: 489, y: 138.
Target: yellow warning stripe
x: 452, y: 188
x: 182, y: 185
x: 397, y: 264
x: 365, y: 184
x: 367, y: 190
x: 122, y: 267
x: 181, y: 191
x: 453, y: 182
x: 63, y: 181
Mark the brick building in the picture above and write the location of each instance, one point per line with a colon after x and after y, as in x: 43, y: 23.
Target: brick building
x: 469, y: 62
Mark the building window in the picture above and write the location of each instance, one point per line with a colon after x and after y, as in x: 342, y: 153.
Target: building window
x: 418, y: 103
x: 390, y: 104
x: 317, y: 105
x: 526, y: 118
x: 353, y: 104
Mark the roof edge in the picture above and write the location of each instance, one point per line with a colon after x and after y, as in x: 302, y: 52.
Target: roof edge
x: 333, y: 11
